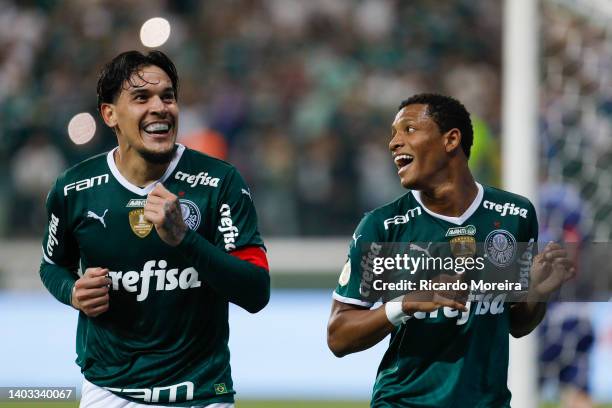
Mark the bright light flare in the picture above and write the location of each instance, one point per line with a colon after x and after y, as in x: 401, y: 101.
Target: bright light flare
x: 155, y: 32
x: 81, y: 128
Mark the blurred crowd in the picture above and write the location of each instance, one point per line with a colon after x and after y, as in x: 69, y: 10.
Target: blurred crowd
x: 576, y: 106
x: 299, y: 95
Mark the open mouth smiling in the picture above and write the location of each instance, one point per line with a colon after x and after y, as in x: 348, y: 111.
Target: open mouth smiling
x: 402, y: 161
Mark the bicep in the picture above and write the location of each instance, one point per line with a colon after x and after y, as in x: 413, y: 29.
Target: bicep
x: 340, y: 307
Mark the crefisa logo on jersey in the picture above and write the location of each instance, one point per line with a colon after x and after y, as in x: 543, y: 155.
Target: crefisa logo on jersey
x: 500, y: 248
x: 505, y: 208
x: 52, y: 238
x: 227, y: 228
x: 155, y: 275
x: 191, y: 214
x: 201, y: 178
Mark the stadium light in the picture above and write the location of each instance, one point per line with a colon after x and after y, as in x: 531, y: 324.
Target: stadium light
x: 155, y: 32
x: 81, y: 128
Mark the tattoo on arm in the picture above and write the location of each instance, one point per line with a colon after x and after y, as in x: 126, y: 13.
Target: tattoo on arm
x: 173, y: 221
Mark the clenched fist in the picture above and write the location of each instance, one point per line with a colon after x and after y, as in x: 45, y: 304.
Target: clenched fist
x: 164, y: 211
x: 90, y: 292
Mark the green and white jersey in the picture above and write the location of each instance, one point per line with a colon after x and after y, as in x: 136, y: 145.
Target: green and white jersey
x: 164, y: 338
x: 446, y: 358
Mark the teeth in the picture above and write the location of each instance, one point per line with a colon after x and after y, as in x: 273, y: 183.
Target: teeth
x: 157, y: 127
x: 402, y: 157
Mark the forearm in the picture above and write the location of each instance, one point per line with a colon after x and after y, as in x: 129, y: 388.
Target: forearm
x: 241, y: 282
x: 58, y: 281
x: 353, y: 330
x: 525, y: 316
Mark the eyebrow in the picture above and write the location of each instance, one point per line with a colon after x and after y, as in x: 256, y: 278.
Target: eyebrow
x: 143, y: 90
x: 402, y: 122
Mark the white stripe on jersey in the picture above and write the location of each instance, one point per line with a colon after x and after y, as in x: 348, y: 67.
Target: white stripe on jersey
x: 46, y: 258
x: 351, y: 301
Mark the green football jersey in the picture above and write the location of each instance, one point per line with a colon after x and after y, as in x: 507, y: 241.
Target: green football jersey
x: 164, y: 338
x: 446, y: 358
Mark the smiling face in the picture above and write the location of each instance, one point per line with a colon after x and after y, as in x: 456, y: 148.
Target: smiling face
x: 145, y: 115
x: 418, y: 147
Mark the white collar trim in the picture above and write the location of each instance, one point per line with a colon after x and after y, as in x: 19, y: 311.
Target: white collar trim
x: 454, y: 220
x: 110, y: 159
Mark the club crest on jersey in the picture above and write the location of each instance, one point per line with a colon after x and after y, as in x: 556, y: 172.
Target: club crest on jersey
x: 140, y: 226
x: 457, y: 231
x: 191, y: 214
x: 463, y: 246
x: 500, y: 248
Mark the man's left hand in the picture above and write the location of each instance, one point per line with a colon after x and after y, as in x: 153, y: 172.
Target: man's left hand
x: 550, y: 269
x: 164, y: 211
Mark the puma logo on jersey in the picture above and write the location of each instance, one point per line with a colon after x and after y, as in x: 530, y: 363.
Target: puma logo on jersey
x: 355, y: 238
x: 415, y: 247
x: 164, y: 279
x: 91, y: 214
x: 201, y: 178
x: 505, y: 209
x: 227, y: 227
x: 87, y: 183
x: 402, y: 219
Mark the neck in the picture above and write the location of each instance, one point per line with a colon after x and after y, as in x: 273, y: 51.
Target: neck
x: 453, y: 195
x: 135, y: 168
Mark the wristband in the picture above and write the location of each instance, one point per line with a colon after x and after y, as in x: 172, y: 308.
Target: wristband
x: 72, y: 295
x: 394, y: 312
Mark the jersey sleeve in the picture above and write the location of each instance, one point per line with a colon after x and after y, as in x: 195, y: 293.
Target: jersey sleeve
x: 232, y: 263
x: 355, y: 285
x: 236, y: 217
x: 60, y: 250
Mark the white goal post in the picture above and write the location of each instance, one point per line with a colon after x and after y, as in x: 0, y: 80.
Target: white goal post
x: 520, y: 157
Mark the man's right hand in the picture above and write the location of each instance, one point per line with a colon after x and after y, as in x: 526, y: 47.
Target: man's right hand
x: 90, y: 293
x: 430, y: 300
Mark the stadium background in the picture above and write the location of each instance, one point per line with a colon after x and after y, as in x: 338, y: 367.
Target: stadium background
x: 299, y: 96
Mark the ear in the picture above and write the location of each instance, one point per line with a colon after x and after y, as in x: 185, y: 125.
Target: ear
x: 107, y: 110
x: 452, y: 140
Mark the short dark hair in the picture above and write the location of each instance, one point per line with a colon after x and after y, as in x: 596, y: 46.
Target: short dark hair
x: 121, y: 68
x: 448, y: 113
